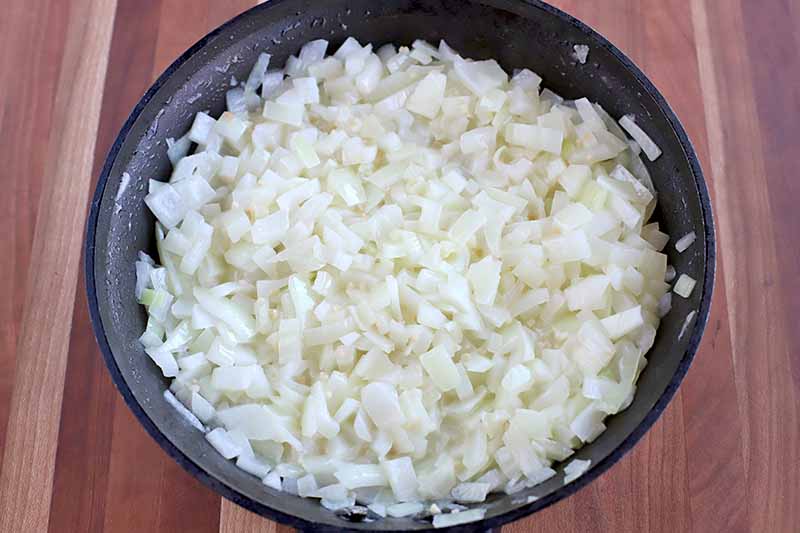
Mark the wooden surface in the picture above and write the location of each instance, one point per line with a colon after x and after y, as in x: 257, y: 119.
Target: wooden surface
x: 725, y: 456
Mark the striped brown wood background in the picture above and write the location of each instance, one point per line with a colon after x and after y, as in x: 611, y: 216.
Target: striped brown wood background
x: 725, y: 456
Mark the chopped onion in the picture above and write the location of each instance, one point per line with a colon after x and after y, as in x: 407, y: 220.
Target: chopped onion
x: 670, y: 273
x: 335, y: 505
x: 202, y: 408
x: 167, y: 205
x: 223, y: 443
x: 177, y: 150
x: 580, y: 53
x: 684, y: 242
x: 470, y: 492
x: 183, y: 411
x: 684, y: 286
x: 402, y: 479
x: 253, y: 465
x: 651, y: 149
x: 454, y: 519
x: 535, y: 137
x: 291, y: 114
x: 378, y: 508
x: 354, y: 476
x: 438, y: 364
x: 428, y: 95
x: 402, y: 277
x: 623, y: 323
x: 686, y: 323
x: 273, y: 481
x: 271, y: 82
x: 235, y: 100
x: 257, y: 73
x: 400, y: 510
x: 575, y: 469
x: 664, y: 305
x: 202, y: 128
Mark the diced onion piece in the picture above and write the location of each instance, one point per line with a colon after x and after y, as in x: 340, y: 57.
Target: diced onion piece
x: 587, y: 293
x: 470, y: 492
x: 467, y: 225
x: 291, y: 114
x: 670, y: 273
x: 428, y: 315
x: 535, y: 137
x: 480, y: 76
x: 381, y: 403
x: 439, y: 365
x: 516, y: 379
x: 183, y: 411
x: 484, y: 276
x: 165, y: 361
x: 306, y: 486
x: 651, y: 149
x: 305, y: 152
x: 573, y: 246
x: 572, y: 217
x: 230, y: 126
x: 271, y: 82
x: 335, y: 505
x: 664, y: 305
x: 331, y: 492
x: 454, y: 519
x: 623, y: 323
x: 201, y: 128
x: 273, y: 480
x: 202, y: 408
x: 400, y: 510
x: 223, y: 443
x: 589, y: 114
x: 575, y: 469
x: 235, y: 101
x: 684, y: 286
x: 402, y: 478
x: 256, y: 75
x: 253, y: 465
x: 167, y: 205
x: 580, y: 53
x: 478, y: 140
x: 178, y: 149
x: 428, y: 95
x: 684, y: 242
x: 354, y: 476
x: 686, y: 323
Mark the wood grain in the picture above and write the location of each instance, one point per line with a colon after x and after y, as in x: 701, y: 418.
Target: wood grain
x: 723, y: 457
x: 29, y: 66
x: 32, y: 430
x: 767, y: 394
x: 84, y: 452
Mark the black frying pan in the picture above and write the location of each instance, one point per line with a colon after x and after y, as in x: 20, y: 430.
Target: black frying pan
x: 518, y: 34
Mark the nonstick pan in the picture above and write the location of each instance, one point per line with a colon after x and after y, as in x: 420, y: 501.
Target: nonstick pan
x: 519, y: 34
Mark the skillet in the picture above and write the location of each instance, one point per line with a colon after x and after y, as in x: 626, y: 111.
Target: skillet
x: 518, y: 34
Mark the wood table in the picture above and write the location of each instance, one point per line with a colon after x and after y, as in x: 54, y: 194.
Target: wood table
x: 725, y: 456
